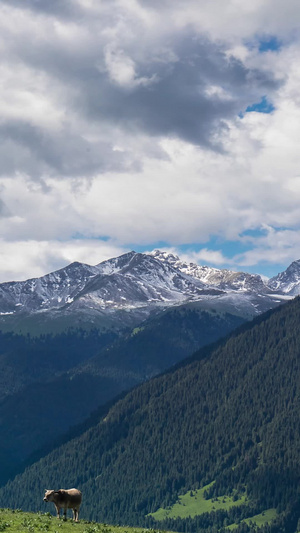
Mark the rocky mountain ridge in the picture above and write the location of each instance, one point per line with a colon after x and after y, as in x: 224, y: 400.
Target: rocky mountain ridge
x: 223, y: 279
x: 131, y: 279
x: 127, y: 289
x: 287, y: 281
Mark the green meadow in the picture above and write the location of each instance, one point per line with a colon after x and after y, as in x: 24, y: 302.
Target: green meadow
x: 259, y: 520
x: 17, y: 521
x: 193, y: 503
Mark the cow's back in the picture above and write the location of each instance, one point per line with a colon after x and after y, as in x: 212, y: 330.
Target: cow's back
x: 70, y: 497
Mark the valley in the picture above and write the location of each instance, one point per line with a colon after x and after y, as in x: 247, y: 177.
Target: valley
x: 213, y: 417
x: 103, y: 402
x: 81, y: 370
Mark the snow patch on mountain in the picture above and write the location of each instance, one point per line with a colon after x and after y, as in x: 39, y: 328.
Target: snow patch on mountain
x: 223, y: 279
x: 136, y: 285
x: 287, y: 281
x: 53, y: 290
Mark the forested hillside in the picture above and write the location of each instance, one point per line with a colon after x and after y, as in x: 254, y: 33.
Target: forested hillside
x: 159, y: 343
x: 25, y: 359
x: 52, y: 382
x: 229, y: 415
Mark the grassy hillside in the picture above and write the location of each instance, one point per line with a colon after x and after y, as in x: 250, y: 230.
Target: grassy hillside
x: 229, y: 415
x: 194, y: 503
x: 13, y: 521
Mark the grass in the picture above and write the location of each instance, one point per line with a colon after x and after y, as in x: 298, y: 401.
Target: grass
x: 193, y: 503
x: 135, y: 331
x: 259, y: 520
x: 19, y: 521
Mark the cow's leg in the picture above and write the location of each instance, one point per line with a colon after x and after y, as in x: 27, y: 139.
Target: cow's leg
x: 75, y: 515
x: 65, y: 513
x: 57, y: 511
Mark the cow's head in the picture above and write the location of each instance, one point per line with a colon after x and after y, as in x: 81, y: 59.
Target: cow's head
x: 49, y: 494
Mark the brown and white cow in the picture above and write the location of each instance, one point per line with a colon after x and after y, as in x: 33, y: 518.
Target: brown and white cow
x: 65, y: 499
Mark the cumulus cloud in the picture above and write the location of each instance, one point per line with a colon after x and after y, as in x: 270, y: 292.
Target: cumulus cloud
x: 22, y: 260
x: 94, y: 80
x: 126, y: 119
x: 67, y: 10
x: 205, y: 256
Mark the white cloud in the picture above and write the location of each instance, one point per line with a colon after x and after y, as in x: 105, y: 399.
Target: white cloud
x: 233, y: 20
x: 22, y: 260
x: 276, y: 246
x: 115, y: 124
x: 205, y: 256
x: 122, y: 69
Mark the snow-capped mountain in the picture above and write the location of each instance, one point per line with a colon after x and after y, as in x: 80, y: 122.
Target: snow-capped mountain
x: 136, y: 281
x: 131, y: 285
x: 287, y: 281
x: 53, y: 290
x: 127, y: 289
x: 132, y: 279
x: 222, y: 279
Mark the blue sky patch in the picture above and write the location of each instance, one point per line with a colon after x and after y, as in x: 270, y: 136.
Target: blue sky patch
x: 269, y: 44
x: 229, y: 249
x: 264, y: 106
x: 77, y: 236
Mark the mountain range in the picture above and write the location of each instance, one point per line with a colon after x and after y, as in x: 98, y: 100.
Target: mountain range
x: 85, y: 334
x: 124, y: 291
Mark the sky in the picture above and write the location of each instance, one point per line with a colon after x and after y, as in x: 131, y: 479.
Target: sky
x: 143, y: 124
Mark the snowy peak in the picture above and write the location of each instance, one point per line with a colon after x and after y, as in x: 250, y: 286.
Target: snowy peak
x: 114, y: 265
x: 137, y: 279
x: 131, y: 280
x: 287, y: 281
x: 203, y: 273
x: 137, y: 284
x: 222, y: 279
x: 52, y: 290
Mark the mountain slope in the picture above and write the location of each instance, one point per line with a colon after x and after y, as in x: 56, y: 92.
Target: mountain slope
x: 230, y: 414
x: 124, y: 291
x: 138, y: 277
x: 25, y: 360
x: 53, y: 290
x: 81, y: 370
x: 287, y: 281
x: 223, y: 279
x: 163, y: 341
